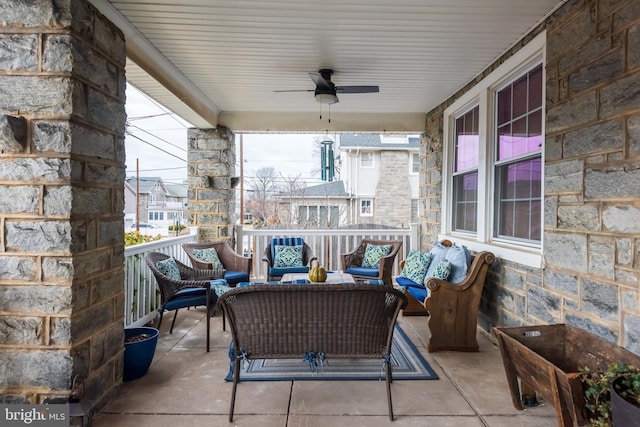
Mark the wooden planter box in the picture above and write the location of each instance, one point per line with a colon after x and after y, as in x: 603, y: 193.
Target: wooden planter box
x: 548, y: 358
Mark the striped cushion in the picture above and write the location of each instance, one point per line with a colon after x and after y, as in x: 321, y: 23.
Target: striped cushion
x: 284, y: 241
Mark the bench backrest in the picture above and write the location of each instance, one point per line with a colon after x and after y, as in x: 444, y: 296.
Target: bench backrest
x: 287, y: 321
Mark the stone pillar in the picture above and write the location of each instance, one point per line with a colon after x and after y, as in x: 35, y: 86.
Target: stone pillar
x: 62, y: 117
x: 212, y: 160
x: 392, y: 205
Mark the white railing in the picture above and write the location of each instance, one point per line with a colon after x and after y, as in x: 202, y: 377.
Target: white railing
x: 142, y: 296
x: 327, y: 245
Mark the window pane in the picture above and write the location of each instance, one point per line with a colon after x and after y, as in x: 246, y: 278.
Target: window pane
x: 465, y: 202
x: 519, y: 99
x: 466, y: 141
x: 519, y: 200
x: 504, y: 106
x: 535, y: 88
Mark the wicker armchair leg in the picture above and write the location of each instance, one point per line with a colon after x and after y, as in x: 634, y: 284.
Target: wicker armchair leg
x: 236, y: 379
x: 174, y: 321
x: 389, y: 381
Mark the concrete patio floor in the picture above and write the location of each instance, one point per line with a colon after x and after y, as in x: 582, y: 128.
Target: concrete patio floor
x: 185, y: 387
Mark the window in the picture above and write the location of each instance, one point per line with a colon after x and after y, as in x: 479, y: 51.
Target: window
x: 493, y: 163
x: 366, y: 207
x: 366, y: 160
x: 415, y: 163
x: 518, y: 168
x: 465, y: 172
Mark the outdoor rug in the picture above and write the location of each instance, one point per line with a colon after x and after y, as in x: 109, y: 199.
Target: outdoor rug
x: 406, y: 364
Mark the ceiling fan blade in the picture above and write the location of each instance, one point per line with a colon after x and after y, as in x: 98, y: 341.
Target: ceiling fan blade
x: 357, y: 89
x: 295, y: 90
x: 321, y: 82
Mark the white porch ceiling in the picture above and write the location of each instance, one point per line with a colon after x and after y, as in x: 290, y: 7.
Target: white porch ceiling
x: 218, y: 62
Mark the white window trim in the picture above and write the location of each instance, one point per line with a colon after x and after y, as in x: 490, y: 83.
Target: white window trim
x: 373, y: 160
x: 482, y: 95
x: 370, y: 204
x: 411, y: 154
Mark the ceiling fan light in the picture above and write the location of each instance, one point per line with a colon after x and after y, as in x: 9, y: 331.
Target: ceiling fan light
x: 326, y: 98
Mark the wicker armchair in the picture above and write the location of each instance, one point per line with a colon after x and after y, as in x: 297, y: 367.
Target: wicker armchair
x: 190, y: 291
x: 238, y: 267
x: 275, y: 273
x: 352, y: 261
x: 337, y: 320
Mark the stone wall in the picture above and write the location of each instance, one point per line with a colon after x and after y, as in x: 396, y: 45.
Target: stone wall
x: 62, y: 118
x: 212, y: 160
x: 591, y: 180
x: 392, y: 204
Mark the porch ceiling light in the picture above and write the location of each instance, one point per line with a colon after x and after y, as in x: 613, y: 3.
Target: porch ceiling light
x: 326, y: 98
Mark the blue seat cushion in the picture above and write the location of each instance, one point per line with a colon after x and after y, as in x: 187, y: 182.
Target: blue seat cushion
x: 236, y: 276
x: 284, y: 270
x: 420, y: 294
x: 418, y: 291
x: 363, y: 271
x: 189, y: 297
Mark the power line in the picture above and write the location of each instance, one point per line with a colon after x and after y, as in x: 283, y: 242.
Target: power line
x: 157, y: 137
x: 156, y: 147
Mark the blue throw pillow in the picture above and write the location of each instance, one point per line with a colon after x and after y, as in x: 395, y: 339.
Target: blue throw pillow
x: 209, y: 255
x: 442, y: 270
x: 438, y: 253
x: 460, y: 259
x: 372, y: 255
x: 288, y: 256
x: 169, y: 268
x: 416, y: 266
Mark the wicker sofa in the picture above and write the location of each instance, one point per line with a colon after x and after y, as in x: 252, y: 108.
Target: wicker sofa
x: 360, y: 320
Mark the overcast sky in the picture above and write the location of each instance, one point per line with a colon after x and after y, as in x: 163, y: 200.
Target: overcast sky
x: 158, y: 140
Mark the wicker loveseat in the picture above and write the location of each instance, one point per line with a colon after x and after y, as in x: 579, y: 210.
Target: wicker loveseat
x: 339, y: 320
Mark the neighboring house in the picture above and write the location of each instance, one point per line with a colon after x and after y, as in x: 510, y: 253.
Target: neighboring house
x: 158, y: 203
x: 323, y: 206
x: 382, y: 174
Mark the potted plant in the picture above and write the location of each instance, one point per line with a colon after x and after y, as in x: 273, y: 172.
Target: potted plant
x: 139, y: 349
x: 612, y: 397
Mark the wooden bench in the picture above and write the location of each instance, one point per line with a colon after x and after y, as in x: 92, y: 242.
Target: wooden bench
x: 453, y: 308
x: 339, y: 320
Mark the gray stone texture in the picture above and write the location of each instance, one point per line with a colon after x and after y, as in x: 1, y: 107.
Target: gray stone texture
x: 612, y: 182
x: 577, y: 58
x: 24, y: 368
x: 601, y: 70
x: 561, y: 282
x: 551, y: 212
x: 40, y: 299
x: 603, y: 136
x: 52, y: 136
x: 13, y: 132
x: 633, y: 41
x: 600, y: 299
x: 620, y: 95
x: 630, y: 300
x: 575, y: 31
x: 574, y: 113
x: 33, y: 14
x: 633, y: 130
x: 543, y: 305
x: 18, y: 330
x: 106, y: 112
x: 624, y: 251
x: 38, y: 236
x: 578, y: 217
x: 621, y: 218
x: 18, y: 268
x: 564, y: 176
x: 589, y: 325
x: 601, y: 252
x: 34, y: 169
x: 567, y: 251
x: 35, y: 95
x: 19, y: 199
x: 57, y: 200
x: 392, y: 202
x: 631, y: 338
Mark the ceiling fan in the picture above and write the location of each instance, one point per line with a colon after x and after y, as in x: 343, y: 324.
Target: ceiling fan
x: 326, y: 91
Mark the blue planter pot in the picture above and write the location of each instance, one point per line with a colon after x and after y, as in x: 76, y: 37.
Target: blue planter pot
x: 139, y: 354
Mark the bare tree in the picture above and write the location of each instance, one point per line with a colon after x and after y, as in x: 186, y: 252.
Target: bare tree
x: 292, y: 187
x: 262, y: 187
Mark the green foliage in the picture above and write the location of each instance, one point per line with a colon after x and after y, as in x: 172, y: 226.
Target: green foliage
x: 597, y: 386
x: 135, y: 238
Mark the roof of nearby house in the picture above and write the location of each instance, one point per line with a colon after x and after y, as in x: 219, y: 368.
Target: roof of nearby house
x: 329, y: 189
x: 146, y: 184
x: 374, y: 140
x: 177, y: 190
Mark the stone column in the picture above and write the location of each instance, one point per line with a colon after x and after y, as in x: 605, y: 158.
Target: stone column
x: 392, y: 205
x: 212, y: 160
x: 62, y: 117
